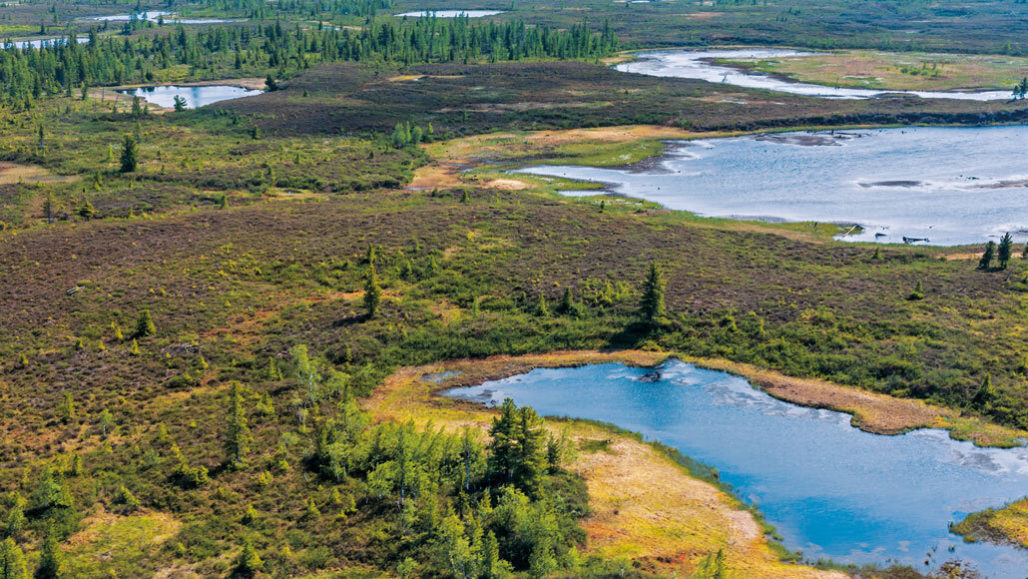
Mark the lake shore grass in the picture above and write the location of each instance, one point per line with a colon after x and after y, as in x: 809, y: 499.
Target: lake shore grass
x: 1005, y: 525
x: 895, y: 70
x: 872, y: 412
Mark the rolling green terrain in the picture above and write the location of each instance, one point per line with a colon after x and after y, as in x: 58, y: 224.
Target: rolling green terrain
x: 199, y: 307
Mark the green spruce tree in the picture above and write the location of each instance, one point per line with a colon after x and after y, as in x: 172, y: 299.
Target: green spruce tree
x: 129, y: 155
x: 651, y: 306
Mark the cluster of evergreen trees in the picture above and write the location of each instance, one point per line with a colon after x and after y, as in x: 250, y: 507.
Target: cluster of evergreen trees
x: 468, y: 509
x: 61, y: 67
x: 313, y: 9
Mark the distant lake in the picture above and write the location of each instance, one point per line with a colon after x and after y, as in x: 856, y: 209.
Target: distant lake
x: 830, y: 490
x: 699, y: 64
x: 451, y: 13
x: 155, y: 16
x: 952, y: 186
x: 39, y: 42
x: 196, y: 96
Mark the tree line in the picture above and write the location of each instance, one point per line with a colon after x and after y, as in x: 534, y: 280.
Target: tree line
x: 61, y: 67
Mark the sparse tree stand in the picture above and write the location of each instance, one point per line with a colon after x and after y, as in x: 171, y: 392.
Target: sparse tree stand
x: 372, y: 293
x: 144, y: 325
x: 129, y: 155
x: 237, y: 440
x: 651, y: 306
x: 990, y: 252
x: 50, y: 207
x: 249, y: 562
x: 51, y: 560
x: 985, y: 394
x: 12, y: 561
x: 1005, y: 251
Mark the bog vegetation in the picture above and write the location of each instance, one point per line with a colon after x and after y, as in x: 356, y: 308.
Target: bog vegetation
x: 196, y: 303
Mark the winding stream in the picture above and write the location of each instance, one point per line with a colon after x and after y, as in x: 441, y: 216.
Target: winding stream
x: 951, y: 186
x: 830, y: 489
x: 701, y: 65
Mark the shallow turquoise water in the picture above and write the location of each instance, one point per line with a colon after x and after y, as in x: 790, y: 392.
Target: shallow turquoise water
x: 952, y: 186
x: 831, y: 490
x: 196, y: 96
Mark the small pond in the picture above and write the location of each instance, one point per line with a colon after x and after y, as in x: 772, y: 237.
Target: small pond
x: 450, y: 13
x: 196, y: 96
x: 156, y: 15
x: 950, y: 186
x: 700, y: 64
x: 831, y: 490
x: 40, y: 42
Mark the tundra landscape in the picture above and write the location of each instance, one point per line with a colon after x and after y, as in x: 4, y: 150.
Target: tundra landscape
x: 450, y: 288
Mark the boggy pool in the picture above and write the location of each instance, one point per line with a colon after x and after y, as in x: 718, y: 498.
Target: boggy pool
x: 830, y: 489
x: 195, y: 96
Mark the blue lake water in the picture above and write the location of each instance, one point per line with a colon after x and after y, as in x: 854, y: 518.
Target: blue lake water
x: 952, y: 186
x: 702, y: 65
x: 196, y: 96
x: 830, y: 489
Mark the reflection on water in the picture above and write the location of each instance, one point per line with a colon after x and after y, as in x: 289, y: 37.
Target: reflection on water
x: 196, y: 96
x: 830, y: 489
x: 951, y: 186
x: 699, y: 64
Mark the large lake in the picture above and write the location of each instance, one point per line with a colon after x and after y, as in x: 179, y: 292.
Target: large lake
x: 831, y: 490
x: 700, y: 64
x: 196, y: 96
x: 952, y: 186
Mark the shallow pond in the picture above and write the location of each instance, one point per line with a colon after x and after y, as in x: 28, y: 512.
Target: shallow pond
x: 39, y: 42
x: 831, y: 490
x: 451, y: 13
x: 196, y: 96
x: 156, y: 15
x: 699, y: 64
x: 951, y: 186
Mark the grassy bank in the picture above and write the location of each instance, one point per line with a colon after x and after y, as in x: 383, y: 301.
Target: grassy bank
x: 897, y: 71
x: 1007, y: 525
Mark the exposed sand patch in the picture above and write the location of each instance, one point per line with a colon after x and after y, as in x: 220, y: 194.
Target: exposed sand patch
x: 405, y: 77
x: 12, y: 173
x: 94, y: 527
x: 458, y: 155
x: 507, y: 184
